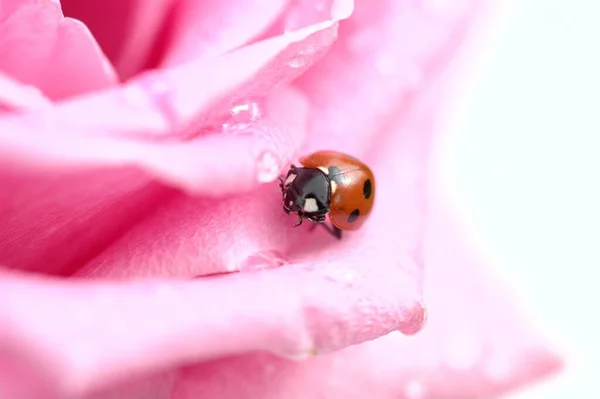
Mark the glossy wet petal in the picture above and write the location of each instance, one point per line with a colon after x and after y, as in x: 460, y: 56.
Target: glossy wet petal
x: 73, y: 136
x: 197, y: 236
x: 163, y: 103
x: 60, y: 56
x: 324, y: 299
x: 327, y: 296
x: 476, y: 344
x: 291, y: 311
x: 383, y: 54
x: 225, y: 26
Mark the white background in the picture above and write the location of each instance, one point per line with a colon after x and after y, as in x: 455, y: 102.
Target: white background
x: 526, y: 159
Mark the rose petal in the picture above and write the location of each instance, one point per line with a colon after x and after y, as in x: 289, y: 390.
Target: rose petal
x: 60, y: 56
x: 66, y: 219
x: 356, y: 290
x: 225, y: 25
x: 58, y: 222
x: 133, y: 28
x: 66, y: 141
x: 198, y: 236
x: 292, y: 311
x: 199, y: 92
x: 476, y: 344
x: 325, y: 298
x: 382, y: 56
x: 15, y: 96
x: 74, y: 133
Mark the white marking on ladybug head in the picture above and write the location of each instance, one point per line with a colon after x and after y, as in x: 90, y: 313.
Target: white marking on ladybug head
x: 290, y: 179
x: 324, y: 170
x: 310, y: 205
x: 291, y: 203
x: 333, y: 187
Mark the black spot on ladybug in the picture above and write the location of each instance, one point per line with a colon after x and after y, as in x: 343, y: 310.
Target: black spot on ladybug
x: 336, y: 175
x: 353, y: 216
x: 367, y: 188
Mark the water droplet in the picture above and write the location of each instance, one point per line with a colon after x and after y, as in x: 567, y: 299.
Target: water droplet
x: 263, y: 260
x: 303, y: 58
x: 416, y: 322
x: 244, y: 114
x: 414, y: 390
x: 267, y: 167
x: 297, y: 62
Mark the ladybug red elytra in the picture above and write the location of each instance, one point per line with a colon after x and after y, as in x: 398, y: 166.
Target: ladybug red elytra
x: 331, y: 183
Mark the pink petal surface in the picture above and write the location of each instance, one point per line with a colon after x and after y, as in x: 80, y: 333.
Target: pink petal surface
x: 476, y: 344
x: 385, y: 52
x: 292, y: 311
x: 160, y: 102
x: 67, y: 219
x: 260, y: 230
x: 125, y: 29
x: 329, y: 294
x: 224, y: 25
x: 66, y: 155
x: 196, y: 236
x: 15, y: 96
x: 59, y: 56
x: 54, y: 223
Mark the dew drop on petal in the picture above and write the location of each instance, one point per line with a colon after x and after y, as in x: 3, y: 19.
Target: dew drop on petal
x: 416, y: 321
x: 298, y: 61
x: 267, y: 167
x: 303, y: 58
x: 244, y: 114
x: 263, y: 260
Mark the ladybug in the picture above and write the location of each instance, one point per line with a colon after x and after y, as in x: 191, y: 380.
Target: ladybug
x: 333, y: 183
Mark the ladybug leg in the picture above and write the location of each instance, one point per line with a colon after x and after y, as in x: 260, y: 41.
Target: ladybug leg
x: 316, y: 222
x: 300, y: 219
x: 334, y: 231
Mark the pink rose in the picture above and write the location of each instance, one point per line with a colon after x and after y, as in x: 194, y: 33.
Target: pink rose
x: 155, y: 153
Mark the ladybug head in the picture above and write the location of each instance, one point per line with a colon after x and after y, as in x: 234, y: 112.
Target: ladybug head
x: 305, y: 192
